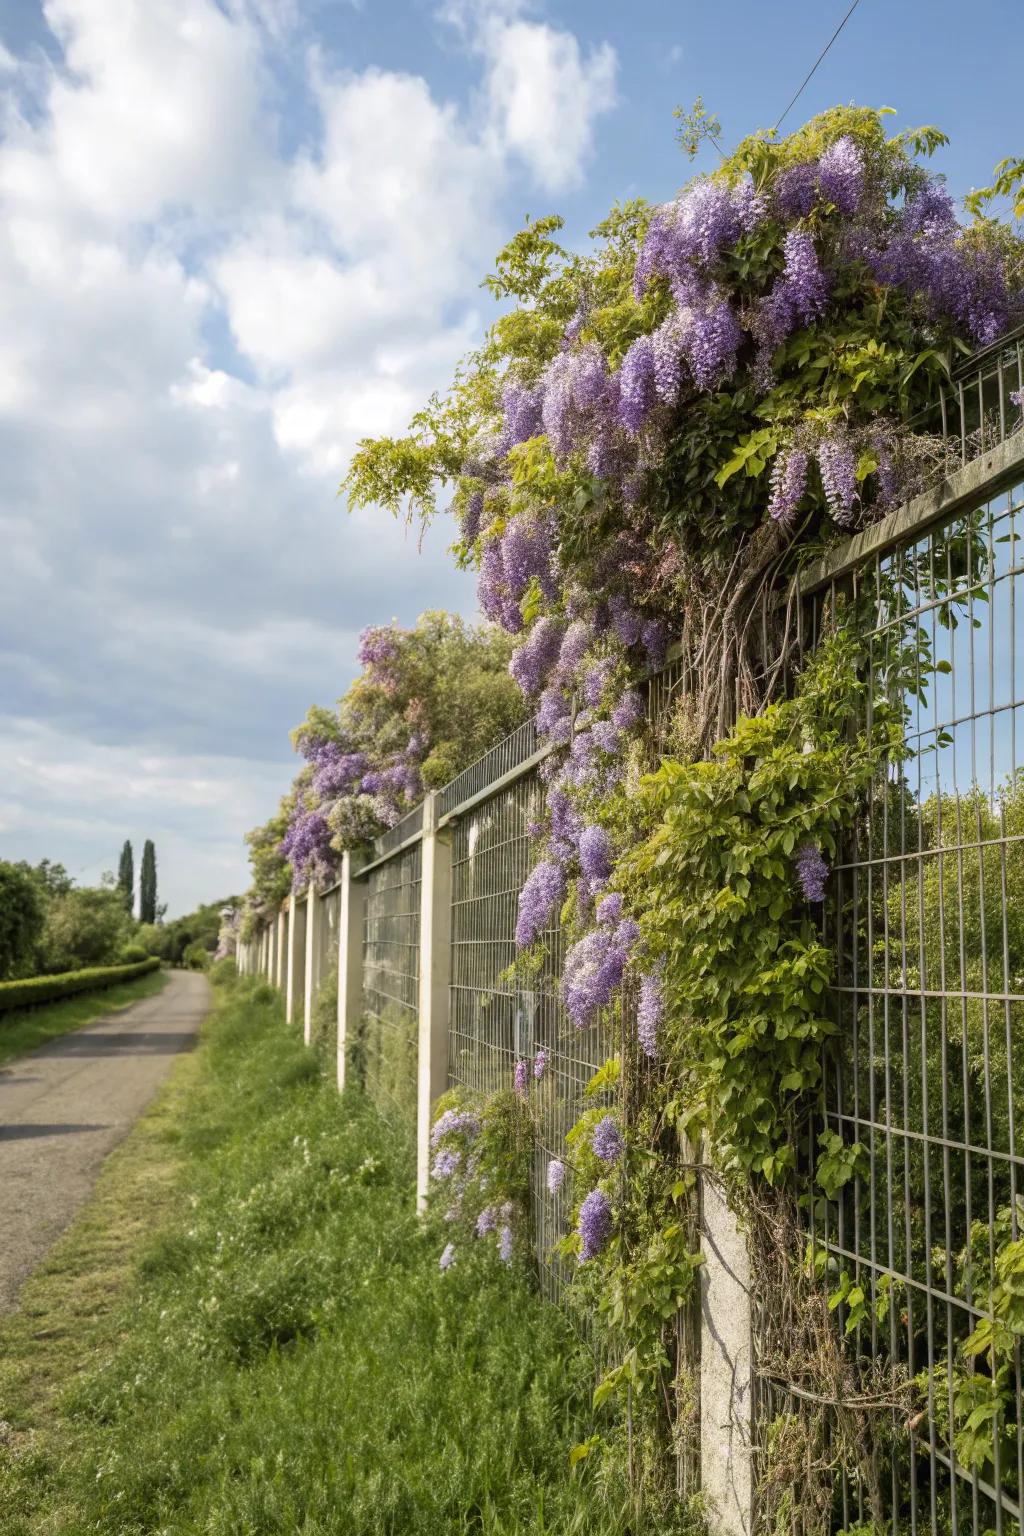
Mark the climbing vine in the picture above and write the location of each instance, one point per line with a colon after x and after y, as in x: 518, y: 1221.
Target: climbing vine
x: 653, y: 438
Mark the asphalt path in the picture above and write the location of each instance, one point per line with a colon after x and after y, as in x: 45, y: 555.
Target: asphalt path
x: 66, y: 1105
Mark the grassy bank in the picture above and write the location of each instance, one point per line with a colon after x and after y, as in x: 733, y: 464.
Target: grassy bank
x: 22, y: 1029
x: 282, y: 1354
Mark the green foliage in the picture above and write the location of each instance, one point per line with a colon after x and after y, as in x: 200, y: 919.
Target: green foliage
x: 287, y: 1348
x: 21, y: 919
x: 47, y: 989
x: 147, y: 884
x: 86, y: 926
x: 745, y: 971
x: 200, y: 928
x: 126, y: 877
x: 131, y: 954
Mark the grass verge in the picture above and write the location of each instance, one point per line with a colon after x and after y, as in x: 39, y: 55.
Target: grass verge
x: 22, y: 1029
x: 247, y: 1333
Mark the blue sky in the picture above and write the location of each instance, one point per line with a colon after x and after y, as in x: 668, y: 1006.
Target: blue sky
x: 235, y: 238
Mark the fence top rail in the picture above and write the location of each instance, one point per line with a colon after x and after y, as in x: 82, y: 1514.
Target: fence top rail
x: 985, y: 476
x: 407, y: 830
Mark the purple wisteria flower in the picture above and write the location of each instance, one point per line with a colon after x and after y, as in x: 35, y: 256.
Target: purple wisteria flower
x: 712, y: 343
x: 649, y: 1013
x: 593, y: 970
x: 446, y: 1163
x: 595, y: 854
x: 454, y: 1122
x: 841, y: 175
x: 595, y: 1224
x: 540, y: 1064
x: 629, y: 711
x: 543, y: 892
x: 505, y: 1244
x: 788, y: 483
x: 668, y: 350
x: 607, y: 1140
x: 624, y: 620
x: 487, y: 1221
x: 447, y: 1258
x: 837, y: 463
x: 472, y: 516
x: 378, y: 645
x: 812, y: 872
x: 596, y: 680
x: 521, y: 1077
x: 533, y: 661
x: 578, y: 639
x: 609, y: 909
x: 307, y: 847
x: 521, y: 414
x: 637, y: 387
x: 796, y: 189
x: 555, y: 1176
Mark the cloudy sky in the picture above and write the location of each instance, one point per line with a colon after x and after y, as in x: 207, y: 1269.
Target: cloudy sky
x: 236, y: 237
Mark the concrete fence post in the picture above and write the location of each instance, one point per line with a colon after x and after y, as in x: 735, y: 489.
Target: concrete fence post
x: 271, y: 950
x: 435, y: 976
x: 280, y: 975
x: 351, y: 929
x: 294, y: 984
x: 726, y: 1369
x: 314, y: 930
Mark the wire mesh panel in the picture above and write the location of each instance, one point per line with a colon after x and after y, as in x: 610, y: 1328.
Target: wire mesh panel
x: 391, y: 975
x: 494, y: 1021
x: 330, y: 908
x: 927, y: 920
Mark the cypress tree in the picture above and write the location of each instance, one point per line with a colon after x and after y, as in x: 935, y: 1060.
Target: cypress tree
x: 126, y: 875
x: 147, y: 884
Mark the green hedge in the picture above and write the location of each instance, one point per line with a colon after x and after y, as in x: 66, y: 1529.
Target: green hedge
x: 46, y: 989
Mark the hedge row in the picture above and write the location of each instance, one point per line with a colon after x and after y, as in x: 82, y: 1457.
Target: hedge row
x: 46, y: 989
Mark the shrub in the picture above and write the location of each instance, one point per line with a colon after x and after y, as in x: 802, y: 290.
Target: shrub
x: 196, y: 957
x: 131, y: 954
x: 47, y: 989
x: 21, y: 918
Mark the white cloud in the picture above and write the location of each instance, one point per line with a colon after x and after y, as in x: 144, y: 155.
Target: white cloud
x: 195, y: 329
x: 546, y: 95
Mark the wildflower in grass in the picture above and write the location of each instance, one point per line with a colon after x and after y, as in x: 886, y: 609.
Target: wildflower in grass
x: 540, y: 1064
x: 446, y: 1163
x: 447, y: 1258
x: 505, y: 1244
x: 454, y: 1122
x: 607, y: 1140
x: 556, y: 1175
x: 522, y: 1077
x: 595, y: 1224
x: 812, y: 872
x: 487, y: 1221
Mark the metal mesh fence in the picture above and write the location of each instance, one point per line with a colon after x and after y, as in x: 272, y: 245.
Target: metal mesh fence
x: 330, y: 908
x: 391, y: 971
x: 493, y: 1022
x: 927, y: 922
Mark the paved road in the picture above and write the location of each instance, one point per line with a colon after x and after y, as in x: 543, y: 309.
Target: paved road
x: 66, y: 1104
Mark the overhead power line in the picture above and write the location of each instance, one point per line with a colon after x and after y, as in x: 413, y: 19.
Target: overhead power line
x: 814, y: 66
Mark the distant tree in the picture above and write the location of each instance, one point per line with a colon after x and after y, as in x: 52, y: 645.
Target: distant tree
x: 147, y: 884
x: 85, y: 926
x: 21, y: 920
x: 126, y: 875
x: 53, y: 878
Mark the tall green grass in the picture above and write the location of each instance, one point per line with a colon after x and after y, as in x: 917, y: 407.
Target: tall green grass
x: 289, y: 1357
